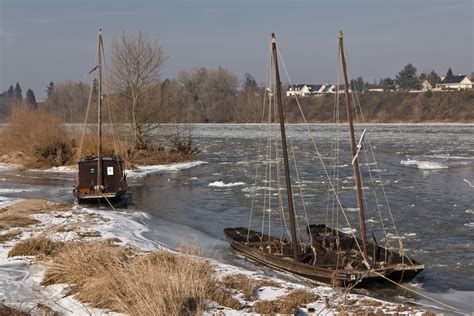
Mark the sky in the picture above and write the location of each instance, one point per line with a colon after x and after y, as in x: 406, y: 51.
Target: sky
x: 56, y: 40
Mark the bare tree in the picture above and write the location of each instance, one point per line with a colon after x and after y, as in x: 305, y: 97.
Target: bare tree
x: 136, y: 64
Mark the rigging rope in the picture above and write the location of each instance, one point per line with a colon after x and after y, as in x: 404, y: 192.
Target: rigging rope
x: 358, y: 107
x: 258, y: 152
x: 84, y: 126
x: 318, y: 154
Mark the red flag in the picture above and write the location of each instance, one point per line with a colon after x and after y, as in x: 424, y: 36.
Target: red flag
x: 93, y: 69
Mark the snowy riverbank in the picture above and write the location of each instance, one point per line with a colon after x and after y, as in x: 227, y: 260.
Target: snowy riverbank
x: 20, y: 277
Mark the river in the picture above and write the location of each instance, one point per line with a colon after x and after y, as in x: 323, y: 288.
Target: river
x: 427, y: 172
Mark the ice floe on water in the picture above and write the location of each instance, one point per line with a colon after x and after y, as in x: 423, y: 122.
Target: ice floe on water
x: 18, y: 190
x: 60, y: 169
x: 142, y: 171
x: 468, y: 183
x: 222, y: 184
x: 471, y: 224
x: 469, y: 211
x: 425, y: 165
x: 352, y: 209
x: 348, y: 230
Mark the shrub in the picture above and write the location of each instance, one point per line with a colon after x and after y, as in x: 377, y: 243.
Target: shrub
x: 39, y: 135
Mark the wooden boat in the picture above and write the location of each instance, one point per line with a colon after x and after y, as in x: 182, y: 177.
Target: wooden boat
x: 330, y: 255
x: 100, y: 179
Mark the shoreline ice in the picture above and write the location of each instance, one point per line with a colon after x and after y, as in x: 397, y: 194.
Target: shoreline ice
x: 20, y: 280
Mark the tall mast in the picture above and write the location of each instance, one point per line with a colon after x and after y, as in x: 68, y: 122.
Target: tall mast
x: 360, y: 201
x: 99, y: 116
x: 294, y: 241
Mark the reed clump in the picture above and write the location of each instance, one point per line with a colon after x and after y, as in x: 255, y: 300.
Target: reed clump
x: 9, y: 311
x: 265, y: 307
x: 9, y: 236
x: 159, y: 283
x: 8, y: 221
x: 296, y: 298
x: 35, y: 246
x: 37, y: 138
x: 241, y: 283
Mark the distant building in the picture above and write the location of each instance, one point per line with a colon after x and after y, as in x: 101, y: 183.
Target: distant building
x: 460, y: 82
x: 304, y: 89
x: 314, y: 89
x: 426, y: 86
x: 375, y: 88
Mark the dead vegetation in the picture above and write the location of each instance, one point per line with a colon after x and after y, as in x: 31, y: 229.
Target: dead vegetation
x: 265, y: 307
x: 241, y: 283
x: 9, y: 236
x: 35, y: 138
x: 39, y: 135
x: 8, y: 221
x: 110, y: 277
x: 19, y: 214
x: 9, y: 311
x: 36, y: 246
x: 297, y: 298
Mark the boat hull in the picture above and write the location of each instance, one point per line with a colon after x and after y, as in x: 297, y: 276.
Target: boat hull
x: 119, y: 198
x: 327, y: 273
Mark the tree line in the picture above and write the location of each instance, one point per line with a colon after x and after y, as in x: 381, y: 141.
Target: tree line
x: 407, y: 79
x: 139, y: 96
x: 14, y: 96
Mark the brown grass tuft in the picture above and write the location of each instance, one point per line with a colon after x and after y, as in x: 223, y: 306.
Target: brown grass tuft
x: 45, y: 310
x: 8, y: 311
x: 76, y: 262
x: 159, y: 283
x: 9, y: 236
x: 242, y: 283
x: 265, y: 307
x: 8, y: 221
x: 40, y: 137
x: 35, y: 246
x: 295, y: 299
x: 89, y: 234
x: 224, y: 297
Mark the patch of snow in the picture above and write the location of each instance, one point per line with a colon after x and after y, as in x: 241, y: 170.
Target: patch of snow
x: 19, y: 190
x: 271, y: 293
x: 6, y: 201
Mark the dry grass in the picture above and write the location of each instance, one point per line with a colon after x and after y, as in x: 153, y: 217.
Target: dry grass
x: 9, y: 236
x: 8, y: 311
x: 241, y: 283
x: 45, y: 310
x: 90, y: 234
x: 296, y: 298
x: 155, y: 284
x: 35, y: 246
x: 37, y: 135
x: 8, y: 221
x: 224, y: 297
x: 18, y: 215
x: 265, y: 307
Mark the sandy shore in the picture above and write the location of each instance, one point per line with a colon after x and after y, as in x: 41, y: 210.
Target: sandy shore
x: 21, y: 276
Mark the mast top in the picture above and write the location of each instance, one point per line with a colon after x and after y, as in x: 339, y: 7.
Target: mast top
x: 273, y: 38
x: 341, y: 34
